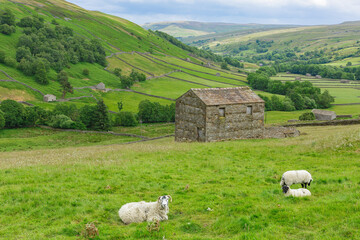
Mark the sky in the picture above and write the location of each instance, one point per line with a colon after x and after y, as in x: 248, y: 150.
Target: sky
x: 301, y: 12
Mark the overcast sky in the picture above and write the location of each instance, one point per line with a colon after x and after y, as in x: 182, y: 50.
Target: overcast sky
x: 306, y: 12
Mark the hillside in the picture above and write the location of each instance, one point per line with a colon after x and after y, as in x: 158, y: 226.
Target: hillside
x: 170, y: 70
x: 188, y: 31
x: 332, y: 43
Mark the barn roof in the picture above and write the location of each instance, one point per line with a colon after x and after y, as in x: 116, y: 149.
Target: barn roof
x: 223, y: 96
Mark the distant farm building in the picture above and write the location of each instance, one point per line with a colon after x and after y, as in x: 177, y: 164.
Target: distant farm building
x: 100, y: 86
x: 345, y: 81
x: 308, y: 75
x: 49, y: 98
x: 214, y: 114
x: 324, y: 115
x: 297, y: 78
x: 318, y: 77
x: 218, y: 74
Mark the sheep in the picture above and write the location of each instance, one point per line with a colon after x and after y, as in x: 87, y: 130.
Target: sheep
x: 296, y: 176
x: 145, y: 211
x: 301, y: 192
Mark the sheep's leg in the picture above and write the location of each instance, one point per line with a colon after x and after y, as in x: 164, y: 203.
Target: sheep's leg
x: 305, y: 185
x: 302, y: 185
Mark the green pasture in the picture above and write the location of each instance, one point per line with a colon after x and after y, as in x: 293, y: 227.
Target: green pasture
x: 221, y: 190
x: 183, y: 75
x: 165, y: 87
x: 130, y: 100
x: 145, y: 64
x: 37, y: 138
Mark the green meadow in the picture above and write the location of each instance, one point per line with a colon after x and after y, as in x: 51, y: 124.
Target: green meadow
x: 221, y: 190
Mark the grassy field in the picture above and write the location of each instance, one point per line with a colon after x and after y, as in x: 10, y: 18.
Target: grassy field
x: 53, y: 193
x: 343, y: 92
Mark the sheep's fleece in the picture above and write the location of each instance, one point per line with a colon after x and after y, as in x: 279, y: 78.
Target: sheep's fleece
x: 145, y: 211
x: 296, y: 176
x: 301, y: 192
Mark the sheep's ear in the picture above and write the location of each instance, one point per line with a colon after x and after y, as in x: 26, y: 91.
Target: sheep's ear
x: 169, y: 197
x: 159, y: 198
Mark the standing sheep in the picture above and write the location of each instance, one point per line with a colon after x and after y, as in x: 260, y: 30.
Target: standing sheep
x: 301, y: 192
x: 145, y: 211
x: 296, y: 176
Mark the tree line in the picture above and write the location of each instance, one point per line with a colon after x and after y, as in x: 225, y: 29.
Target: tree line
x: 88, y: 117
x: 298, y: 95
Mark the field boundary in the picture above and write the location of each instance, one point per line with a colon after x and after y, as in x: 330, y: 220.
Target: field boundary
x: 326, y: 123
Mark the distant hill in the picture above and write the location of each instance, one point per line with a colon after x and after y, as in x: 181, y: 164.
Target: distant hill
x: 189, y: 29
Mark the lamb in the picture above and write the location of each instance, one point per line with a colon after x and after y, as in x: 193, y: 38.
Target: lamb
x: 301, y: 192
x: 296, y: 176
x: 145, y: 211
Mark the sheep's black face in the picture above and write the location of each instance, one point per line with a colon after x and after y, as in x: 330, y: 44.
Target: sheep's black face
x: 285, y: 189
x: 164, y: 201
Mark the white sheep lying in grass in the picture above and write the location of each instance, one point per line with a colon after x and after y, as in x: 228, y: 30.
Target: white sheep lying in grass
x: 301, y: 192
x: 145, y: 211
x: 296, y: 176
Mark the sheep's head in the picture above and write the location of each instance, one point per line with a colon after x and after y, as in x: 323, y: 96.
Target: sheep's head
x: 285, y: 189
x: 164, y: 201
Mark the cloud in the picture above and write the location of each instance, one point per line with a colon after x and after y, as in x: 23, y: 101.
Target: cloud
x: 239, y: 11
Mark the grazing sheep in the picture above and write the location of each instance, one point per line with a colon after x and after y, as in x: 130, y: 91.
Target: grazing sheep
x: 301, y: 192
x: 296, y: 176
x: 145, y: 211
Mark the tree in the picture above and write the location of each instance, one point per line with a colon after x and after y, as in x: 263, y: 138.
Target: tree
x: 87, y: 116
x: 2, y: 120
x: 102, y: 117
x: 65, y: 84
x: 126, y: 81
x: 7, y: 17
x: 298, y: 101
x: 23, y: 52
x: 325, y: 100
x: 6, y: 29
x: 14, y: 113
x: 224, y: 66
x: 40, y: 73
x: 2, y: 56
x: 126, y: 119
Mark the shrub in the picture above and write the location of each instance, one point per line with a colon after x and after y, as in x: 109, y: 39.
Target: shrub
x: 9, y: 61
x: 117, y: 72
x: 61, y: 121
x: 6, y: 29
x: 307, y: 116
x: 224, y: 66
x: 86, y: 72
x: 2, y: 56
x: 126, y: 119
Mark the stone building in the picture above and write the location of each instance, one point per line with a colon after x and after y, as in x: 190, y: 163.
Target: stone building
x: 214, y: 114
x: 49, y: 98
x: 324, y: 115
x: 100, y: 86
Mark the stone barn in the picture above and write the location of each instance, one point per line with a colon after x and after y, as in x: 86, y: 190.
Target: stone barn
x: 214, y: 114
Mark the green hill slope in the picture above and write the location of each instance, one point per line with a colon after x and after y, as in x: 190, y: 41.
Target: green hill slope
x: 170, y: 70
x: 331, y: 43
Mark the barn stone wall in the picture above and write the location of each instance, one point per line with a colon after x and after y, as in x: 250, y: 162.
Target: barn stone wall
x: 190, y: 118
x: 236, y: 124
